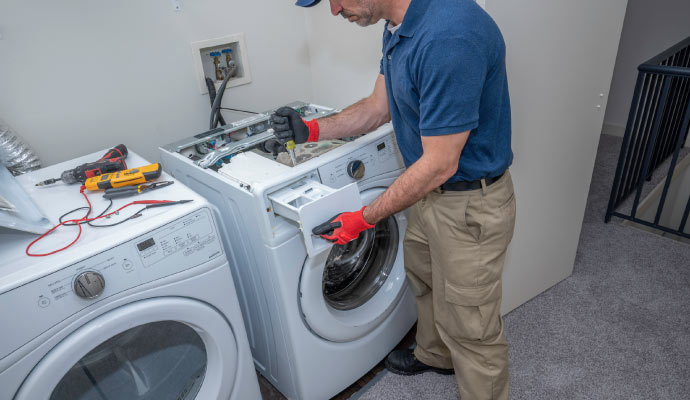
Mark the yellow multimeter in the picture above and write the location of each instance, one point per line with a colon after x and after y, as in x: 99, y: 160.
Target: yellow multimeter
x: 128, y: 177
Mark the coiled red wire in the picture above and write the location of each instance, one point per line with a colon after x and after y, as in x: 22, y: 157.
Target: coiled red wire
x: 79, y: 221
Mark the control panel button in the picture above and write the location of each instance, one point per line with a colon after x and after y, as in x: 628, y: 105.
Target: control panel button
x: 89, y: 284
x: 127, y: 265
x: 356, y: 169
x: 43, y: 301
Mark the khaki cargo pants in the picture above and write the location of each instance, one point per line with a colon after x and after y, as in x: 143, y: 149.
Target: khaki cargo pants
x: 455, y: 247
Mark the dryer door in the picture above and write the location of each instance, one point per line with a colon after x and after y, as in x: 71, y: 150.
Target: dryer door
x: 165, y: 348
x: 347, y: 291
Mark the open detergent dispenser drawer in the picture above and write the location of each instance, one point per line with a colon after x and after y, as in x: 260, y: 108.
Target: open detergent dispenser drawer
x: 310, y: 203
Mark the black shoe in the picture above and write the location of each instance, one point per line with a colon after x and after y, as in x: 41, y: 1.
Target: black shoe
x: 403, y: 362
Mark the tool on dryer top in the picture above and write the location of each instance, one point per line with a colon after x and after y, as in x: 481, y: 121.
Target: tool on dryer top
x: 86, y: 220
x: 113, y: 160
x: 126, y: 191
x: 128, y: 177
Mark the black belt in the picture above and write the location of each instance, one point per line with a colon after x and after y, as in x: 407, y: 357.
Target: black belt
x: 462, y: 186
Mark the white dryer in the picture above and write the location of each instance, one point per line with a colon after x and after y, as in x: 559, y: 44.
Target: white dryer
x: 143, y: 310
x: 318, y: 316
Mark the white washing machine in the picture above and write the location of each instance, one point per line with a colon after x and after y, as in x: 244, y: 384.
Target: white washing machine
x: 143, y: 310
x: 318, y: 316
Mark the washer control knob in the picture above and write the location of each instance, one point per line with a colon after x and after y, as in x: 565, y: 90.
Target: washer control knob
x: 355, y: 169
x: 89, y: 284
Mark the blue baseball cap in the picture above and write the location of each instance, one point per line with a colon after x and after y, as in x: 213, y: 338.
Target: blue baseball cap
x: 307, y: 3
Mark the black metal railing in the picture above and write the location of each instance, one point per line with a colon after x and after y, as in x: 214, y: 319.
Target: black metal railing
x: 657, y: 128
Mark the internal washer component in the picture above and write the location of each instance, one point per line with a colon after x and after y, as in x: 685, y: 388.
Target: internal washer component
x: 307, y: 151
x: 207, y: 149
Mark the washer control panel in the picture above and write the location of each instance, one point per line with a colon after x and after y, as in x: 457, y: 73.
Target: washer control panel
x: 177, y: 246
x: 374, y: 159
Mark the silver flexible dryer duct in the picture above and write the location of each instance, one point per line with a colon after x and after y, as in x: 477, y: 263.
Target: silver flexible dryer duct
x: 16, y: 155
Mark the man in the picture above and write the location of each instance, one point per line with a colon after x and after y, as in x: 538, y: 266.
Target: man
x: 443, y: 84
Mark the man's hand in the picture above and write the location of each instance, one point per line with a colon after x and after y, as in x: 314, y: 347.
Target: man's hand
x: 288, y: 125
x: 343, y: 227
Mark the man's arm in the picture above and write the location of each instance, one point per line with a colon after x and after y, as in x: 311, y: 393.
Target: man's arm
x: 438, y: 163
x: 361, y: 117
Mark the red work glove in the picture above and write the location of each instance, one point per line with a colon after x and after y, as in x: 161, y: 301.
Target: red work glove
x: 343, y: 227
x: 313, y: 126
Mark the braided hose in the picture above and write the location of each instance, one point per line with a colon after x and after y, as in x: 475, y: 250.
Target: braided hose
x: 16, y: 155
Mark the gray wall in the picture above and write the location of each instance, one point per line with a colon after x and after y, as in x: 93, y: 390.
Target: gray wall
x: 122, y: 72
x: 344, y: 57
x: 560, y: 60
x: 650, y: 27
x: 77, y: 76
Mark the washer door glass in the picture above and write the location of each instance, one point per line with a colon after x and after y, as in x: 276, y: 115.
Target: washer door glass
x: 159, y: 360
x: 354, y: 272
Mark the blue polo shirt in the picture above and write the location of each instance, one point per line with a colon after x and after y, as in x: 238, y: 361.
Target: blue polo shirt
x: 445, y: 73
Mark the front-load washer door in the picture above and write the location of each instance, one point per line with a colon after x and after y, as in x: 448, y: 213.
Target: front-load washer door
x: 165, y: 348
x: 347, y: 291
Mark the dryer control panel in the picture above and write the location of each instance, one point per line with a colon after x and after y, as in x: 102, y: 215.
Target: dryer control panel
x: 374, y: 159
x: 175, y: 247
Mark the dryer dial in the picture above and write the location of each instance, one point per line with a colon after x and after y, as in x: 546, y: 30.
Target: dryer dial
x: 89, y: 284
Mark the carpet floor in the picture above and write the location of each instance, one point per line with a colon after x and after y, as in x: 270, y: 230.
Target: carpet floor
x: 618, y: 328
